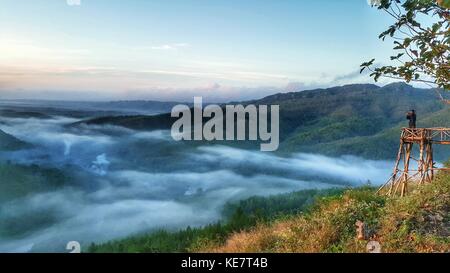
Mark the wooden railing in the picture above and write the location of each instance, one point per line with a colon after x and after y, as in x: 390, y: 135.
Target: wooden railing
x: 403, y: 174
x: 434, y: 135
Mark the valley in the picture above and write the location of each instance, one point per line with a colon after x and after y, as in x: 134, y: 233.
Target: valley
x: 69, y: 172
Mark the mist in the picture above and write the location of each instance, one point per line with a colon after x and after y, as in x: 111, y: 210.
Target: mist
x: 125, y: 182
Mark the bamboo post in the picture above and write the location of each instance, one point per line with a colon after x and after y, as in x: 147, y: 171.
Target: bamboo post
x: 425, y: 173
x: 406, y: 169
x: 397, y: 162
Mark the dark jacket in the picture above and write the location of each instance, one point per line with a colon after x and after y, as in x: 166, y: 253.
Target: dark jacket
x: 411, y: 116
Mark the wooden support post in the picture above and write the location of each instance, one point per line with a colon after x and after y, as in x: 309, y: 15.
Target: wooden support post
x: 431, y: 161
x: 426, y: 168
x: 406, y: 169
x: 395, y: 172
x: 421, y: 163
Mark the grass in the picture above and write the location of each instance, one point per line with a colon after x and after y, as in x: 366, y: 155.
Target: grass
x: 419, y: 222
x: 314, y: 221
x: 240, y: 216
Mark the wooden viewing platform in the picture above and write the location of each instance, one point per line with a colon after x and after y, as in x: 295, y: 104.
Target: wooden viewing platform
x: 402, y: 174
x: 433, y: 135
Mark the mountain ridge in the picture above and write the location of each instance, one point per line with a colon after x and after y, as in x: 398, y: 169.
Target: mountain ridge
x: 318, y: 118
x: 10, y: 143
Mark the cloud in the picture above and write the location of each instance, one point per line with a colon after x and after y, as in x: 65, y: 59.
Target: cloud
x: 296, y: 87
x: 3, y: 85
x: 61, y: 146
x: 345, y: 169
x: 350, y: 76
x: 170, y: 46
x: 73, y: 2
x: 129, y: 182
x: 85, y: 221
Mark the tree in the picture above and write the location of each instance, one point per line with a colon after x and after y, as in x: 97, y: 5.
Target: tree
x: 421, y: 48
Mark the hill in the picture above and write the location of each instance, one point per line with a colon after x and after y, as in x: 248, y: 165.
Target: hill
x: 10, y: 143
x: 381, y: 145
x: 81, y: 109
x: 21, y: 181
x: 10, y: 113
x: 313, y: 221
x: 143, y: 106
x: 238, y: 216
x: 333, y: 121
x: 419, y: 222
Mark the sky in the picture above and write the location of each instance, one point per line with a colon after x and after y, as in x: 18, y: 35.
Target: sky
x: 172, y: 50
